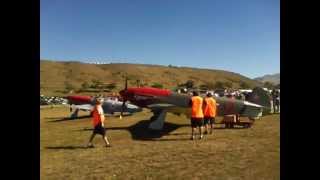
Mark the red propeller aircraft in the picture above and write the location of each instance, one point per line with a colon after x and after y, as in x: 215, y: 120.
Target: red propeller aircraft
x: 161, y: 101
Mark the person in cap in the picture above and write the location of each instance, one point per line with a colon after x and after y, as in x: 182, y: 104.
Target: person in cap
x: 196, y: 114
x: 209, y: 111
x: 98, y: 123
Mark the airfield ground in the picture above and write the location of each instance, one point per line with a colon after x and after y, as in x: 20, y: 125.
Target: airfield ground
x: 252, y: 153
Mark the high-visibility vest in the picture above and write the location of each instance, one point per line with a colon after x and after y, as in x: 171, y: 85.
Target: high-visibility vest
x: 210, y: 108
x: 196, y: 109
x: 96, y: 116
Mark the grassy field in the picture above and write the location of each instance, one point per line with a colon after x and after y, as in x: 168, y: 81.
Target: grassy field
x: 137, y: 154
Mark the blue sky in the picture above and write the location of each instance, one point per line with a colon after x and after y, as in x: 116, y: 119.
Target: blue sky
x: 241, y: 36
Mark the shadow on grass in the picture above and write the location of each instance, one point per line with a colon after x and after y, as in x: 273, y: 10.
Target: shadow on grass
x: 177, y: 134
x: 67, y: 147
x: 67, y: 119
x: 235, y: 128
x: 54, y: 117
x: 59, y: 119
x: 175, y: 139
x: 118, y: 115
x: 140, y: 130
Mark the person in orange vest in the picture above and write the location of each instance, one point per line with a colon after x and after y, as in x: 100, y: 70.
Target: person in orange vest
x: 209, y: 111
x: 98, y: 123
x: 196, y: 114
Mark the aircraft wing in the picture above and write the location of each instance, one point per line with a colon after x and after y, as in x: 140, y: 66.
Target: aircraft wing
x: 160, y: 106
x: 252, y: 104
x: 244, y: 108
x: 84, y: 107
x: 170, y: 108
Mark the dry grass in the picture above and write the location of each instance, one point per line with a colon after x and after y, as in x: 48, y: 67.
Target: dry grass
x: 55, y: 74
x: 228, y: 154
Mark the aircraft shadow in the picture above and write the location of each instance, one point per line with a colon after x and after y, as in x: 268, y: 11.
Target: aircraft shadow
x: 177, y: 134
x: 175, y: 139
x: 54, y: 117
x: 118, y: 115
x: 140, y: 131
x: 67, y: 119
x: 67, y: 147
x: 59, y: 119
x: 235, y: 128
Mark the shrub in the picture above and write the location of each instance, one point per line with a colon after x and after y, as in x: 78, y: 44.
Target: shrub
x: 157, y: 85
x: 244, y: 85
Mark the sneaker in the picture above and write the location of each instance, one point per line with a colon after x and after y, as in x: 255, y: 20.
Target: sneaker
x: 108, y: 145
x: 90, y: 146
x: 201, y: 136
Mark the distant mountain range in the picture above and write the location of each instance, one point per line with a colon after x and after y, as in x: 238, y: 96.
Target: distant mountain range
x: 273, y: 78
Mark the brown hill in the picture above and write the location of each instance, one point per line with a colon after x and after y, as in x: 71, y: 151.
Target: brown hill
x: 273, y: 78
x: 55, y: 77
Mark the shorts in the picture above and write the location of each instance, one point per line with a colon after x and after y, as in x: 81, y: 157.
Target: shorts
x: 196, y: 122
x: 209, y: 119
x: 98, y: 129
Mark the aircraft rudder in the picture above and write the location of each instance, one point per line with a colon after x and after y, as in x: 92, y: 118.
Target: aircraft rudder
x: 261, y: 97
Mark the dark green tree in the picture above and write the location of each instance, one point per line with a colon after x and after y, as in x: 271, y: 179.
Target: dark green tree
x: 210, y: 85
x: 219, y: 85
x: 228, y: 84
x: 96, y: 83
x: 68, y: 86
x: 203, y: 87
x: 111, y: 86
x: 190, y: 84
x: 85, y: 85
x: 244, y: 85
x: 157, y: 85
x: 268, y: 85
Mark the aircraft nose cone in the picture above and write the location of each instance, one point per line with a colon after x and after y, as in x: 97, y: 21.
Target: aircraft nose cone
x: 79, y: 99
x: 122, y: 93
x: 138, y: 109
x: 134, y: 108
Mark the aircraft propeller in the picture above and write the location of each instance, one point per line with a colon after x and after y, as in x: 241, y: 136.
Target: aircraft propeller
x: 124, y: 98
x: 69, y: 102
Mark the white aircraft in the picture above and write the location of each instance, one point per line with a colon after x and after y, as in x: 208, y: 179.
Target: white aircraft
x: 110, y: 106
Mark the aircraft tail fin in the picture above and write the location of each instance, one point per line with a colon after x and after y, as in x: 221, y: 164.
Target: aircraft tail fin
x: 261, y: 97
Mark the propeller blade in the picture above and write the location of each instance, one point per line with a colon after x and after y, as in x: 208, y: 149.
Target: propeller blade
x: 124, y: 98
x: 126, y: 85
x: 122, y: 107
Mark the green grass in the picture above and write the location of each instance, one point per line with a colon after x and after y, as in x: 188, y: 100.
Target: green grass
x: 227, y: 154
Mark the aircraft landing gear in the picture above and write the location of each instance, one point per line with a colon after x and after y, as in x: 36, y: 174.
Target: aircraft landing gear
x: 157, y: 120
